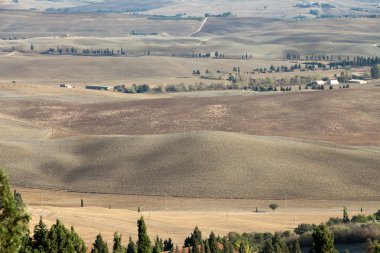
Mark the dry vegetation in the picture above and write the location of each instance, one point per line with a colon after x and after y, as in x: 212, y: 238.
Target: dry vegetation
x: 204, y: 164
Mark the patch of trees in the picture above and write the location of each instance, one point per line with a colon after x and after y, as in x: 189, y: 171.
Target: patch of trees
x: 223, y: 15
x: 86, y: 51
x: 15, y: 238
x: 143, y: 88
x: 357, y: 61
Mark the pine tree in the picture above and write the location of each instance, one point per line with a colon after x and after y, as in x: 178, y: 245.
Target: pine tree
x: 158, y: 245
x: 168, y: 245
x: 213, y: 243
x: 99, y: 246
x: 375, y: 72
x: 77, y: 242
x: 40, y: 237
x: 144, y: 241
x: 323, y: 240
x: 13, y: 220
x: 117, y: 247
x: 131, y: 246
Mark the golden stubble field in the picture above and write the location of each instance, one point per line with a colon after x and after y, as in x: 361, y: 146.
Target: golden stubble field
x: 177, y: 217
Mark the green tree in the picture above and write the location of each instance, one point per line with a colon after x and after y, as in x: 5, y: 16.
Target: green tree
x: 143, y: 245
x: 13, y: 219
x: 168, y: 245
x: 117, y: 247
x: 294, y: 247
x: 345, y: 215
x: 323, y: 240
x: 99, y: 246
x: 158, y: 245
x: 213, y: 244
x: 40, y: 240
x: 375, y: 72
x: 131, y: 246
x: 77, y: 242
x: 273, y: 206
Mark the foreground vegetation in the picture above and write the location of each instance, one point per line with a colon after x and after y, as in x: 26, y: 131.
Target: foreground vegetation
x: 15, y: 236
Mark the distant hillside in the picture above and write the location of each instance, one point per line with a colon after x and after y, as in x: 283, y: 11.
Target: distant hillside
x: 202, y: 164
x: 122, y: 6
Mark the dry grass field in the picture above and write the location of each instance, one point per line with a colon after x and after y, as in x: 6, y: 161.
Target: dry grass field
x: 199, y: 158
x: 103, y: 152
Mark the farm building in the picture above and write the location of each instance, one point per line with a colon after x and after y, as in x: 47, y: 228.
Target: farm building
x: 97, y: 87
x: 332, y: 81
x: 66, y: 85
x: 358, y: 81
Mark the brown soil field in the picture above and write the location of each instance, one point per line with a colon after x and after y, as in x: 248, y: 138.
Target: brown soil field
x: 29, y: 24
x: 342, y: 116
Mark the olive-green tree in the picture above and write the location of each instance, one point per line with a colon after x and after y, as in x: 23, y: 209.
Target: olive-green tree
x: 323, y: 240
x: 13, y: 219
x: 143, y: 245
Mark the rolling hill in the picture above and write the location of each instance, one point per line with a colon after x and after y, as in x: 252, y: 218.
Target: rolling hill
x: 198, y: 164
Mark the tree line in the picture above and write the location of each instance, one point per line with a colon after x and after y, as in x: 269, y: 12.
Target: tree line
x: 15, y: 236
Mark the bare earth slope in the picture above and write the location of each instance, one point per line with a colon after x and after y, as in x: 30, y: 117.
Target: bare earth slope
x: 204, y: 164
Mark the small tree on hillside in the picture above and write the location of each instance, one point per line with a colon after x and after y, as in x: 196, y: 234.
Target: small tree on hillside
x: 273, y: 207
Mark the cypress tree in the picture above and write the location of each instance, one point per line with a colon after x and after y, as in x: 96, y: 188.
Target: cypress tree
x: 213, y: 243
x: 144, y: 241
x: 99, y: 246
x: 131, y: 246
x: 13, y: 219
x: 117, y: 247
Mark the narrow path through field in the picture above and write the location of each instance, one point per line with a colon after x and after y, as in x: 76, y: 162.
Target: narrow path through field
x: 10, y: 54
x: 200, y: 27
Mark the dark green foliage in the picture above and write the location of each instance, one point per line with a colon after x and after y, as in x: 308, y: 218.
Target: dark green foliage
x: 377, y: 215
x: 345, y: 215
x: 99, y: 246
x: 143, y: 245
x: 13, y: 219
x: 294, y: 247
x: 194, y: 239
x: 18, y: 199
x: 334, y: 221
x: 60, y: 239
x: 213, y: 244
x: 40, y: 237
x: 206, y: 247
x: 304, y: 228
x: 375, y: 72
x: 131, y: 246
x: 273, y: 206
x: 372, y: 246
x: 323, y: 240
x: 360, y: 218
x: 117, y: 247
x: 168, y: 245
x: 158, y: 245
